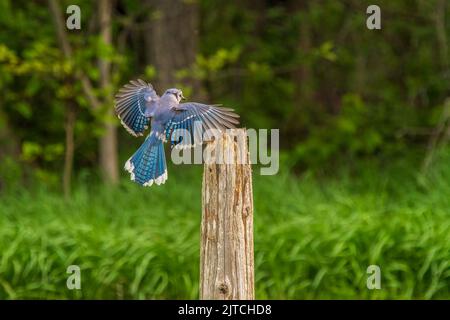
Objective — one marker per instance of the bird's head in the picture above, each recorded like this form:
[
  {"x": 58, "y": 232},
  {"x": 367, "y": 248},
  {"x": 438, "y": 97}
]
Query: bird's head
[{"x": 176, "y": 93}]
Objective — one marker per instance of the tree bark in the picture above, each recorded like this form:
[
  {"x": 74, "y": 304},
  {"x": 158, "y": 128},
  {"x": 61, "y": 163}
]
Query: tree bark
[
  {"x": 172, "y": 41},
  {"x": 69, "y": 149},
  {"x": 227, "y": 262},
  {"x": 10, "y": 146},
  {"x": 108, "y": 141}
]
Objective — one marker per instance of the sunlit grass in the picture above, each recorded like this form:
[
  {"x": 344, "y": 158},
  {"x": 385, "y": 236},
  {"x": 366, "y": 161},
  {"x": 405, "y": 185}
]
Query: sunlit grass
[{"x": 314, "y": 238}]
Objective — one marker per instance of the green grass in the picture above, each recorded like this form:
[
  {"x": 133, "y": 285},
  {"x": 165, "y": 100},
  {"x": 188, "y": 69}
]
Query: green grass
[{"x": 314, "y": 238}]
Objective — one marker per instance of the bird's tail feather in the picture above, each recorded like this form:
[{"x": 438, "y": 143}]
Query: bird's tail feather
[{"x": 148, "y": 164}]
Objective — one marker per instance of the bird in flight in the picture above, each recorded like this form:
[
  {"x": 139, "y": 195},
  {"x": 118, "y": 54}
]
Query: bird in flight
[{"x": 138, "y": 105}]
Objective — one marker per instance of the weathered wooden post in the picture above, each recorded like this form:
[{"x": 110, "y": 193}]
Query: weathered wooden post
[{"x": 226, "y": 259}]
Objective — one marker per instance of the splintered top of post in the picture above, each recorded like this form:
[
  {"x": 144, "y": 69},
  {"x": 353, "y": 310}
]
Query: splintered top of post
[{"x": 229, "y": 147}]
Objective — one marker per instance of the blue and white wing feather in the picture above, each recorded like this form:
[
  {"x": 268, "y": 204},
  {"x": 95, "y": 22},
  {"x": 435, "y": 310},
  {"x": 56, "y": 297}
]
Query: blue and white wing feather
[
  {"x": 187, "y": 116},
  {"x": 133, "y": 104}
]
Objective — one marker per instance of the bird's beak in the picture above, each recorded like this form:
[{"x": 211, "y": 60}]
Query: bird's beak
[{"x": 182, "y": 97}]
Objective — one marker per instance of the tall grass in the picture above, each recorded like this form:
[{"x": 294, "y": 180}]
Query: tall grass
[{"x": 314, "y": 238}]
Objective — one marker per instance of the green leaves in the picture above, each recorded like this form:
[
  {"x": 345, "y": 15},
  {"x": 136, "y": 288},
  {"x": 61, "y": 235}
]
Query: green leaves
[
  {"x": 261, "y": 71},
  {"x": 352, "y": 131},
  {"x": 326, "y": 51},
  {"x": 32, "y": 151},
  {"x": 209, "y": 66}
]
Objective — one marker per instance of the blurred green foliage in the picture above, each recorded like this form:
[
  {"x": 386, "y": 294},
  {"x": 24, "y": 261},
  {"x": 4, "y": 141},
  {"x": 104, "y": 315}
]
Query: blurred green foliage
[
  {"x": 312, "y": 69},
  {"x": 356, "y": 109}
]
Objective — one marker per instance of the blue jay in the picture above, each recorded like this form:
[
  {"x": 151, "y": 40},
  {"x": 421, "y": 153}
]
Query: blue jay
[{"x": 137, "y": 105}]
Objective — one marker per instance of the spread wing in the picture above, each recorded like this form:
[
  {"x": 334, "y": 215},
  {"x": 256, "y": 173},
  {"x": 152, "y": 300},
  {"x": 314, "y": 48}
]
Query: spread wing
[
  {"x": 186, "y": 126},
  {"x": 133, "y": 104}
]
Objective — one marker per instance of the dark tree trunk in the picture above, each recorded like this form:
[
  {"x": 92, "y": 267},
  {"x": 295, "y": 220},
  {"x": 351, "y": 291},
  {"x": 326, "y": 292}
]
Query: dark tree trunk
[
  {"x": 69, "y": 148},
  {"x": 10, "y": 146},
  {"x": 108, "y": 142},
  {"x": 172, "y": 40}
]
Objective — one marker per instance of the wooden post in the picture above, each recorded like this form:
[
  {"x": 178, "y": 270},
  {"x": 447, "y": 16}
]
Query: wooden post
[{"x": 226, "y": 259}]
